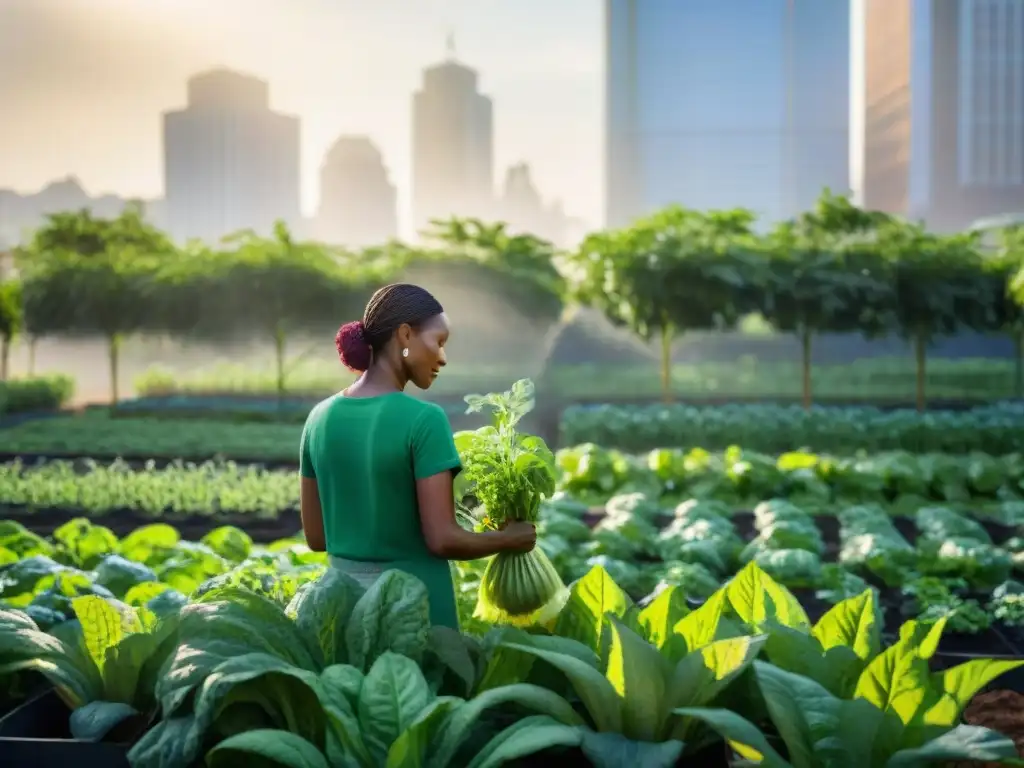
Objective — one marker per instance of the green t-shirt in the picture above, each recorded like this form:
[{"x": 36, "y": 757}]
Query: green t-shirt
[{"x": 366, "y": 455}]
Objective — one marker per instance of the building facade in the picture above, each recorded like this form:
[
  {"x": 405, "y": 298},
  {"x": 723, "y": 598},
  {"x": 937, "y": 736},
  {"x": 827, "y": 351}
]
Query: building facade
[
  {"x": 230, "y": 162},
  {"x": 725, "y": 103},
  {"x": 358, "y": 203},
  {"x": 452, "y": 146},
  {"x": 937, "y": 100}
]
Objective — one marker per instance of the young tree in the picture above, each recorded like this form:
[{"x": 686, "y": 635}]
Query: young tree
[
  {"x": 85, "y": 276},
  {"x": 940, "y": 287},
  {"x": 823, "y": 278},
  {"x": 269, "y": 288},
  {"x": 675, "y": 271},
  {"x": 10, "y": 321},
  {"x": 522, "y": 266},
  {"x": 1002, "y": 267}
]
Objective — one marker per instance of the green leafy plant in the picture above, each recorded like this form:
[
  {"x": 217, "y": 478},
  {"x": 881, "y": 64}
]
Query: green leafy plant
[{"x": 509, "y": 474}]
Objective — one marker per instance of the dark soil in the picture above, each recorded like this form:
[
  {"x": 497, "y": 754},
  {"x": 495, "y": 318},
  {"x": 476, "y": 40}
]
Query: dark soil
[{"x": 1002, "y": 711}]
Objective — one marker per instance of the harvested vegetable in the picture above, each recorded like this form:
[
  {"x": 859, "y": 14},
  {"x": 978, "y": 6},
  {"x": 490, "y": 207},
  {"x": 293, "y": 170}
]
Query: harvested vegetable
[{"x": 509, "y": 474}]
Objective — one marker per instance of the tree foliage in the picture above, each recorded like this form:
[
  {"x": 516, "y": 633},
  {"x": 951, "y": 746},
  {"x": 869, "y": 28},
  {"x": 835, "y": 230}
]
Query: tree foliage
[
  {"x": 10, "y": 321},
  {"x": 835, "y": 268}
]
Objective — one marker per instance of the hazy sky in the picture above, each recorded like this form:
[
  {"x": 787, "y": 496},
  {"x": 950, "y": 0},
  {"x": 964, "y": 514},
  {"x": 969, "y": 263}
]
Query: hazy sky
[{"x": 83, "y": 82}]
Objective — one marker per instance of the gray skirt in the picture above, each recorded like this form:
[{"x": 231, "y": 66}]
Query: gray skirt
[{"x": 364, "y": 573}]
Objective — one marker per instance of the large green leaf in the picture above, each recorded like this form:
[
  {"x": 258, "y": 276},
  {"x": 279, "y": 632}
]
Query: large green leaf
[
  {"x": 854, "y": 623},
  {"x": 95, "y": 720},
  {"x": 754, "y": 597},
  {"x": 897, "y": 680},
  {"x": 659, "y": 617},
  {"x": 266, "y": 748},
  {"x": 323, "y": 608},
  {"x": 393, "y": 694},
  {"x": 527, "y": 737},
  {"x": 837, "y": 669},
  {"x": 817, "y": 727},
  {"x": 393, "y": 615},
  {"x": 743, "y": 736},
  {"x": 955, "y": 687},
  {"x": 591, "y": 598},
  {"x": 257, "y": 690},
  {"x": 698, "y": 628},
  {"x": 965, "y": 742},
  {"x": 699, "y": 678},
  {"x": 457, "y": 727},
  {"x": 638, "y": 673},
  {"x": 595, "y": 691},
  {"x": 410, "y": 749}
]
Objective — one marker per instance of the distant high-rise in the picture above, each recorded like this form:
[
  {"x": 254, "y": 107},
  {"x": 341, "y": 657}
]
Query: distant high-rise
[
  {"x": 358, "y": 203},
  {"x": 523, "y": 209},
  {"x": 22, "y": 213},
  {"x": 937, "y": 107},
  {"x": 452, "y": 145},
  {"x": 725, "y": 103},
  {"x": 230, "y": 162}
]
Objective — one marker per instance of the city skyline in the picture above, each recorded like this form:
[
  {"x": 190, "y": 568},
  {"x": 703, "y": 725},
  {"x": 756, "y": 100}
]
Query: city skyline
[{"x": 84, "y": 82}]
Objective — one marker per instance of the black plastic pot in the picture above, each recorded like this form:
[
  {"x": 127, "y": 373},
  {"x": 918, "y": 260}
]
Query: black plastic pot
[{"x": 37, "y": 734}]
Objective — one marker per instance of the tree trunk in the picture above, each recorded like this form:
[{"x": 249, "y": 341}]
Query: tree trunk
[
  {"x": 1018, "y": 364},
  {"x": 31, "y": 356},
  {"x": 114, "y": 355},
  {"x": 5, "y": 358},
  {"x": 805, "y": 365},
  {"x": 279, "y": 362},
  {"x": 919, "y": 357},
  {"x": 666, "y": 363}
]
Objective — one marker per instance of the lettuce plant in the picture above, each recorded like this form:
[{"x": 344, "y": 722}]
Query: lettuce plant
[
  {"x": 820, "y": 730},
  {"x": 104, "y": 665}
]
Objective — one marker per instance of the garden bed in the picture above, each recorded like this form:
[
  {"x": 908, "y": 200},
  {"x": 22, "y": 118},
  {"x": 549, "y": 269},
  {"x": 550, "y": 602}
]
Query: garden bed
[
  {"x": 1001, "y": 710},
  {"x": 122, "y": 522}
]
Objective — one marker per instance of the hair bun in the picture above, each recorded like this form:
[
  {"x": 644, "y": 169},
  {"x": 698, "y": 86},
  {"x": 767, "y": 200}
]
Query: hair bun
[{"x": 353, "y": 348}]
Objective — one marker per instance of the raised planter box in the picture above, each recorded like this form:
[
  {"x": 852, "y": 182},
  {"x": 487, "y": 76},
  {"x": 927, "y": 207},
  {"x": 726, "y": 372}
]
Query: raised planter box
[{"x": 36, "y": 734}]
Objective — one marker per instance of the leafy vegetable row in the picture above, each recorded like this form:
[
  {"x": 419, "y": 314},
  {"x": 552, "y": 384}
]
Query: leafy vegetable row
[
  {"x": 992, "y": 486},
  {"x": 997, "y": 428},
  {"x": 330, "y": 674}
]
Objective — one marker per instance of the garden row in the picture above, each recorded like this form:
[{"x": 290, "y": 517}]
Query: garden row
[
  {"x": 252, "y": 389},
  {"x": 161, "y": 653},
  {"x": 834, "y": 269},
  {"x": 990, "y": 488},
  {"x": 216, "y": 431}
]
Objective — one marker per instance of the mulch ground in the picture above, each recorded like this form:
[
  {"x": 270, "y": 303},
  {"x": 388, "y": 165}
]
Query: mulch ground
[{"x": 1002, "y": 711}]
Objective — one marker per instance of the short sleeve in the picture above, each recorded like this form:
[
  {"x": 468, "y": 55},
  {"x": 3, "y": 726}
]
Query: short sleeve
[
  {"x": 433, "y": 447},
  {"x": 305, "y": 462}
]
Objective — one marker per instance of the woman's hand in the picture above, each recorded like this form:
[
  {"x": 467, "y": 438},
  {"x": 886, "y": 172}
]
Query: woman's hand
[{"x": 520, "y": 536}]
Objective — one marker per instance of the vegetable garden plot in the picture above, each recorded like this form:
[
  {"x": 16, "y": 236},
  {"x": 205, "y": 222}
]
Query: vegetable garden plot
[{"x": 336, "y": 675}]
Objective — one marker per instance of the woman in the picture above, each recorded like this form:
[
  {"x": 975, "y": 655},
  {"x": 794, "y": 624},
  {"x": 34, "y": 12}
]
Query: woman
[{"x": 377, "y": 465}]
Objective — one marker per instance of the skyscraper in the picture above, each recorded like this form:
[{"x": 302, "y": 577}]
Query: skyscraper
[
  {"x": 230, "y": 162},
  {"x": 937, "y": 104},
  {"x": 452, "y": 145},
  {"x": 725, "y": 103},
  {"x": 358, "y": 202}
]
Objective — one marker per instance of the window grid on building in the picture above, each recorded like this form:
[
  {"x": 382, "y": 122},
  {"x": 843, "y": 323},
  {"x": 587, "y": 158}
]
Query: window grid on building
[{"x": 991, "y": 93}]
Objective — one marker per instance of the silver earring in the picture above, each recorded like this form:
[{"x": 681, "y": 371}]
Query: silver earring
[{"x": 405, "y": 352}]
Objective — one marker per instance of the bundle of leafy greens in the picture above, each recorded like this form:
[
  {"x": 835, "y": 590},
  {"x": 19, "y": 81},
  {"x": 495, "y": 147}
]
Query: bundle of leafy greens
[{"x": 509, "y": 474}]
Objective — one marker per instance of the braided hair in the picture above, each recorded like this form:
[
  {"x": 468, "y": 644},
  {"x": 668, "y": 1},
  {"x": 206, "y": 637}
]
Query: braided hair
[{"x": 388, "y": 309}]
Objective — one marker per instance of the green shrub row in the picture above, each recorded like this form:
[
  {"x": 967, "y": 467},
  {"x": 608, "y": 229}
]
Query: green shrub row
[
  {"x": 36, "y": 395},
  {"x": 994, "y": 429}
]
